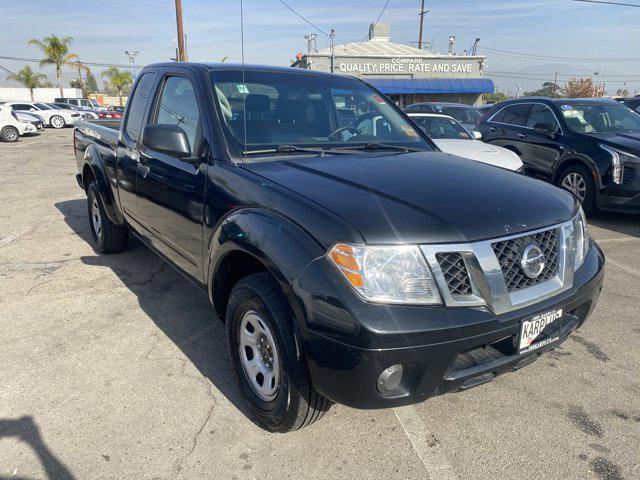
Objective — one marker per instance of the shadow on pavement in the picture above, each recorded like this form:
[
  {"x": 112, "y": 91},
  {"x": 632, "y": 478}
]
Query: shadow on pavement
[
  {"x": 26, "y": 430},
  {"x": 625, "y": 223},
  {"x": 181, "y": 310}
]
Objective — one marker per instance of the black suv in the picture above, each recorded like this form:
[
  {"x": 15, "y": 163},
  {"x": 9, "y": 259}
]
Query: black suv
[
  {"x": 591, "y": 147},
  {"x": 633, "y": 103}
]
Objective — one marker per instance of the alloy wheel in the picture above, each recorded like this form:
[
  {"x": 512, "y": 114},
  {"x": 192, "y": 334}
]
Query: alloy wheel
[
  {"x": 10, "y": 134},
  {"x": 57, "y": 122},
  {"x": 575, "y": 184},
  {"x": 259, "y": 355}
]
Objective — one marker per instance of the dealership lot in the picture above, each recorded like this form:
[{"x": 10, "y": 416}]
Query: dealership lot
[{"x": 114, "y": 367}]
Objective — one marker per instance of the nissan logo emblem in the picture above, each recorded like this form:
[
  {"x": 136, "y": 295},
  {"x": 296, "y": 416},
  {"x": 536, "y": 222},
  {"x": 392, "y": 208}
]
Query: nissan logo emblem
[{"x": 532, "y": 261}]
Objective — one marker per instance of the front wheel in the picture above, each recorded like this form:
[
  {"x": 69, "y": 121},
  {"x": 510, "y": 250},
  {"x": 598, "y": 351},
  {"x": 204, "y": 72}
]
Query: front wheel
[
  {"x": 579, "y": 181},
  {"x": 269, "y": 366},
  {"x": 57, "y": 122},
  {"x": 108, "y": 237},
  {"x": 10, "y": 134}
]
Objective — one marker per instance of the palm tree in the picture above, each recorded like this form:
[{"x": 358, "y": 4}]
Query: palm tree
[
  {"x": 28, "y": 78},
  {"x": 118, "y": 80},
  {"x": 56, "y": 52}
]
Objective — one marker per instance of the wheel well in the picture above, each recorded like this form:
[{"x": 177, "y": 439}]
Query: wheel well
[
  {"x": 233, "y": 267},
  {"x": 570, "y": 163},
  {"x": 87, "y": 177}
]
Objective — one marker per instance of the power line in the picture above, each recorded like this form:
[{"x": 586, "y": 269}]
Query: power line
[
  {"x": 551, "y": 57},
  {"x": 567, "y": 74},
  {"x": 299, "y": 15},
  {"x": 92, "y": 64},
  {"x": 376, "y": 22},
  {"x": 618, "y": 4}
]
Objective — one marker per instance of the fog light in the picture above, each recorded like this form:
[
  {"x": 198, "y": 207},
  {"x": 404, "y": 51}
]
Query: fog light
[{"x": 390, "y": 378}]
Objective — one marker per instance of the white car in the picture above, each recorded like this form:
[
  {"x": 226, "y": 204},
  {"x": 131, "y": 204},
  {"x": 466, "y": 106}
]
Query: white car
[
  {"x": 52, "y": 117},
  {"x": 451, "y": 137},
  {"x": 10, "y": 127}
]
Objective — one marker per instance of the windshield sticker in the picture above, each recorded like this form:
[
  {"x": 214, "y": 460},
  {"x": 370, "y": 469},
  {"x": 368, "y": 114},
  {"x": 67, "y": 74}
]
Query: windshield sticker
[
  {"x": 409, "y": 131},
  {"x": 575, "y": 114},
  {"x": 242, "y": 88},
  {"x": 377, "y": 99},
  {"x": 566, "y": 107}
]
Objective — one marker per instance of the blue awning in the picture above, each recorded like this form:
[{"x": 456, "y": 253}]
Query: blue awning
[{"x": 432, "y": 85}]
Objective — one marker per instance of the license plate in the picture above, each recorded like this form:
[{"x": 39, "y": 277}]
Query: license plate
[{"x": 539, "y": 330}]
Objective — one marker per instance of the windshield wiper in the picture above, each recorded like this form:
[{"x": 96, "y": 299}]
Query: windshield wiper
[
  {"x": 380, "y": 146},
  {"x": 292, "y": 149}
]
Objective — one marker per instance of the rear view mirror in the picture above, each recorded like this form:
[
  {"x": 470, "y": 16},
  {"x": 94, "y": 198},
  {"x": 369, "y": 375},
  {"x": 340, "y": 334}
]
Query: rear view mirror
[
  {"x": 476, "y": 135},
  {"x": 169, "y": 139}
]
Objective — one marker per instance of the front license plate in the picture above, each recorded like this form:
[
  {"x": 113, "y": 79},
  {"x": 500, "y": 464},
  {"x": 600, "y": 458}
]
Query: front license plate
[{"x": 539, "y": 330}]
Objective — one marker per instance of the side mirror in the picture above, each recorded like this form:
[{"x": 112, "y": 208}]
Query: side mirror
[
  {"x": 169, "y": 139},
  {"x": 476, "y": 135}
]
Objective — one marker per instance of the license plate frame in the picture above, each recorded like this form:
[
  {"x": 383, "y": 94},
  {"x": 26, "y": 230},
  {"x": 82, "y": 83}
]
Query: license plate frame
[{"x": 539, "y": 330}]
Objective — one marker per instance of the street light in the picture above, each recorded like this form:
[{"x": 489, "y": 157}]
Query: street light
[
  {"x": 452, "y": 41},
  {"x": 132, "y": 59}
]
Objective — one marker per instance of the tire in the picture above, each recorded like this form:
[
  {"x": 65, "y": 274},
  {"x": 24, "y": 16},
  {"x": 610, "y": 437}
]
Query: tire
[
  {"x": 57, "y": 122},
  {"x": 578, "y": 179},
  {"x": 293, "y": 403},
  {"x": 10, "y": 134},
  {"x": 107, "y": 236}
]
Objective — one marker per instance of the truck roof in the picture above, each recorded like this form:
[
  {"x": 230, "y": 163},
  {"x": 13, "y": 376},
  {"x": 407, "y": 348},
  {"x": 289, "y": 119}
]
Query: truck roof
[{"x": 239, "y": 66}]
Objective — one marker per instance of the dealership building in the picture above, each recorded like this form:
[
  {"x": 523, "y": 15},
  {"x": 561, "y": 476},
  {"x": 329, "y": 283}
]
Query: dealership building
[{"x": 404, "y": 73}]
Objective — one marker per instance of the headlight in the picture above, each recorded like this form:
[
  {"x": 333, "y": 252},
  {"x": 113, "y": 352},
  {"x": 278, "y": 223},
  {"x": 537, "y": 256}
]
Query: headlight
[
  {"x": 618, "y": 159},
  {"x": 387, "y": 274},
  {"x": 581, "y": 238}
]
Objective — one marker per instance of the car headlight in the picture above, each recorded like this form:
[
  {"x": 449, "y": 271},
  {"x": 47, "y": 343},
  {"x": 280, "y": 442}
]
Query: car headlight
[
  {"x": 387, "y": 274},
  {"x": 581, "y": 238},
  {"x": 618, "y": 159}
]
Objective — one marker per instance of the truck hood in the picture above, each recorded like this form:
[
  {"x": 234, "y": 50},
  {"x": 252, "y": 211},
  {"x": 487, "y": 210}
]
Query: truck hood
[
  {"x": 482, "y": 152},
  {"x": 424, "y": 197},
  {"x": 629, "y": 142}
]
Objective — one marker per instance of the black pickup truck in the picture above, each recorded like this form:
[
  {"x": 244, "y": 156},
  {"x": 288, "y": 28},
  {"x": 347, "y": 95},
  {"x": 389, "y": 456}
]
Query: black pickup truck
[{"x": 351, "y": 260}]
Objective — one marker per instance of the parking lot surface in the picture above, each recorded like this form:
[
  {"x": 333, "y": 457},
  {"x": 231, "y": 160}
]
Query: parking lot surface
[{"x": 114, "y": 367}]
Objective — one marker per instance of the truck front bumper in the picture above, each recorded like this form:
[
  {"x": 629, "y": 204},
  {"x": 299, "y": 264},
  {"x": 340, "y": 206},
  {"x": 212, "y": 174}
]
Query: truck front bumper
[{"x": 440, "y": 349}]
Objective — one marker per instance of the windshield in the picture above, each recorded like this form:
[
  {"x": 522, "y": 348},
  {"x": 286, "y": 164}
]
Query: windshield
[
  {"x": 299, "y": 110},
  {"x": 42, "y": 106},
  {"x": 599, "y": 118},
  {"x": 441, "y": 127},
  {"x": 462, "y": 114}
]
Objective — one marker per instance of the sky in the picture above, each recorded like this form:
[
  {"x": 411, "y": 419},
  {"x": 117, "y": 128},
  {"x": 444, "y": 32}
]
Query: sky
[{"x": 547, "y": 35}]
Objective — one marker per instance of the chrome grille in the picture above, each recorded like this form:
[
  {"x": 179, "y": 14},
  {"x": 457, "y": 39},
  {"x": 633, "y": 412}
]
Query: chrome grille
[
  {"x": 509, "y": 252},
  {"x": 455, "y": 273}
]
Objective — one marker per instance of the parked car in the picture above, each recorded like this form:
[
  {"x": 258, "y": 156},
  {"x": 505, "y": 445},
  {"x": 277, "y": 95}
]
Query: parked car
[
  {"x": 633, "y": 103},
  {"x": 485, "y": 108},
  {"x": 465, "y": 114},
  {"x": 55, "y": 118},
  {"x": 83, "y": 103},
  {"x": 110, "y": 114},
  {"x": 10, "y": 127},
  {"x": 363, "y": 269},
  {"x": 32, "y": 118},
  {"x": 451, "y": 137},
  {"x": 84, "y": 112},
  {"x": 591, "y": 147},
  {"x": 116, "y": 108}
]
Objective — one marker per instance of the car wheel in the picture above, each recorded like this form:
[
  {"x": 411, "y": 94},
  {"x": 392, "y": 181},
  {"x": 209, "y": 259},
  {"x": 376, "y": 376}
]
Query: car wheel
[
  {"x": 108, "y": 237},
  {"x": 10, "y": 134},
  {"x": 579, "y": 181},
  {"x": 269, "y": 368},
  {"x": 57, "y": 121}
]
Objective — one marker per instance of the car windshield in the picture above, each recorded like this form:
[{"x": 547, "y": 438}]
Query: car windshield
[
  {"x": 441, "y": 127},
  {"x": 300, "y": 110},
  {"x": 462, "y": 114},
  {"x": 599, "y": 117},
  {"x": 42, "y": 106}
]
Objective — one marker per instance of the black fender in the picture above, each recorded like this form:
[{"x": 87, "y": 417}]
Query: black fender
[
  {"x": 571, "y": 158},
  {"x": 94, "y": 161},
  {"x": 280, "y": 244}
]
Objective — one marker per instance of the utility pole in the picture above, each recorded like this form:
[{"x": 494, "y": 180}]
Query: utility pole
[
  {"x": 332, "y": 37},
  {"x": 422, "y": 13},
  {"x": 555, "y": 84},
  {"x": 182, "y": 55},
  {"x": 132, "y": 60}
]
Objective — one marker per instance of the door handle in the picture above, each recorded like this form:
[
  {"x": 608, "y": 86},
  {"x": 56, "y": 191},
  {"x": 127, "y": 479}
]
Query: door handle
[
  {"x": 521, "y": 135},
  {"x": 493, "y": 129},
  {"x": 143, "y": 170}
]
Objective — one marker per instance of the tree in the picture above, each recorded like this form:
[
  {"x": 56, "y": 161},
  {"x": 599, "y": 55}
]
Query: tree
[
  {"x": 91, "y": 85},
  {"x": 118, "y": 80},
  {"x": 495, "y": 97},
  {"x": 582, "y": 88},
  {"x": 56, "y": 52},
  {"x": 549, "y": 89},
  {"x": 622, "y": 92},
  {"x": 28, "y": 78}
]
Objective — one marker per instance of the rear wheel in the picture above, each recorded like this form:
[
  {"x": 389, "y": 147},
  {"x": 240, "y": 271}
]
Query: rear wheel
[
  {"x": 57, "y": 121},
  {"x": 108, "y": 237},
  {"x": 579, "y": 181},
  {"x": 269, "y": 368},
  {"x": 10, "y": 134}
]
